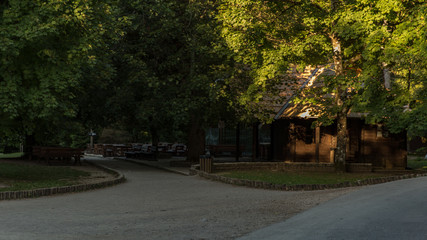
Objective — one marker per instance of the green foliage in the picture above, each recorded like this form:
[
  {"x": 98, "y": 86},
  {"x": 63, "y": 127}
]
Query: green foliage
[
  {"x": 165, "y": 66},
  {"x": 46, "y": 46},
  {"x": 11, "y": 155},
  {"x": 259, "y": 35},
  {"x": 156, "y": 66},
  {"x": 267, "y": 36},
  {"x": 404, "y": 52},
  {"x": 417, "y": 163}
]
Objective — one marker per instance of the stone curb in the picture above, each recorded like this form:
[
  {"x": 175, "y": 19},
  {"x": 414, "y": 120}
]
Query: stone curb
[
  {"x": 301, "y": 187},
  {"x": 12, "y": 195}
]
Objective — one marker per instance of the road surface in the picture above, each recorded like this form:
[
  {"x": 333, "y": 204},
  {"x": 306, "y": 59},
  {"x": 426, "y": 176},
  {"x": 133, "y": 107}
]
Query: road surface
[{"x": 395, "y": 210}]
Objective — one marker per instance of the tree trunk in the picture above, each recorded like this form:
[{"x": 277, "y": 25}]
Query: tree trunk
[
  {"x": 28, "y": 146},
  {"x": 341, "y": 144},
  {"x": 386, "y": 76},
  {"x": 341, "y": 147},
  {"x": 196, "y": 140},
  {"x": 237, "y": 142}
]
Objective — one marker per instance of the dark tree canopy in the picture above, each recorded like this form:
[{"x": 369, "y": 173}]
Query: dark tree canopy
[{"x": 167, "y": 69}]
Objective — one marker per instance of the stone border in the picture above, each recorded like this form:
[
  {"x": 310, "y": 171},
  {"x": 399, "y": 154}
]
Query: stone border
[
  {"x": 301, "y": 187},
  {"x": 12, "y": 195},
  {"x": 279, "y": 166}
]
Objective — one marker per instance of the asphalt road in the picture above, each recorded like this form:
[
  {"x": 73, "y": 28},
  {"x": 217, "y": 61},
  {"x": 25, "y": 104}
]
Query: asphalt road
[
  {"x": 154, "y": 204},
  {"x": 395, "y": 210}
]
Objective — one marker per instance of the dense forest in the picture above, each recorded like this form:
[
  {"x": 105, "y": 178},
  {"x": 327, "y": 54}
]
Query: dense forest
[{"x": 167, "y": 69}]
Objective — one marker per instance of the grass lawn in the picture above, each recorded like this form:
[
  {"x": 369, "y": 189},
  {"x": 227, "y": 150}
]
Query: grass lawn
[
  {"x": 18, "y": 176},
  {"x": 297, "y": 178},
  {"x": 11, "y": 155},
  {"x": 417, "y": 162}
]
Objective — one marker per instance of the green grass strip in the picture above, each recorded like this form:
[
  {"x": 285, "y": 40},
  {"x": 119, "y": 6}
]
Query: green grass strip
[
  {"x": 26, "y": 177},
  {"x": 11, "y": 155},
  {"x": 297, "y": 178}
]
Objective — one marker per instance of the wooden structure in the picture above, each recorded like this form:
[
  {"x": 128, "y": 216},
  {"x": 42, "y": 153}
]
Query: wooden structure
[
  {"x": 111, "y": 150},
  {"x": 61, "y": 154},
  {"x": 206, "y": 164},
  {"x": 293, "y": 139}
]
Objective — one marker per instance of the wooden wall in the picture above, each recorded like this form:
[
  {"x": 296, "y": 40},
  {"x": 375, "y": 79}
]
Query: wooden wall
[
  {"x": 383, "y": 149},
  {"x": 295, "y": 141}
]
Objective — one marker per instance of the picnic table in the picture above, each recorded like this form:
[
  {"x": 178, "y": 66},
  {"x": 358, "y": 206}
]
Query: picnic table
[
  {"x": 111, "y": 150},
  {"x": 63, "y": 154}
]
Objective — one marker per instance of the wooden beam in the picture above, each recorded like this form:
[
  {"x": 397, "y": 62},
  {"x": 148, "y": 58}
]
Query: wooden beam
[{"x": 317, "y": 141}]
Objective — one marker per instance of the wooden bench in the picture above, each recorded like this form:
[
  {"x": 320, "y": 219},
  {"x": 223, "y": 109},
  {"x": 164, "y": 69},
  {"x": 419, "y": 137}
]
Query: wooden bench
[{"x": 57, "y": 153}]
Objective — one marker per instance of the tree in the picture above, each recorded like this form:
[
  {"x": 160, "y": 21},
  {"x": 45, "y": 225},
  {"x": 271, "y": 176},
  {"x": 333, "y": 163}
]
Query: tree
[
  {"x": 402, "y": 52},
  {"x": 45, "y": 47},
  {"x": 257, "y": 36},
  {"x": 352, "y": 36},
  {"x": 165, "y": 66}
]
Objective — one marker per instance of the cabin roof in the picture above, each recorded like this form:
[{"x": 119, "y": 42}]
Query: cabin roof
[
  {"x": 310, "y": 78},
  {"x": 296, "y": 83}
]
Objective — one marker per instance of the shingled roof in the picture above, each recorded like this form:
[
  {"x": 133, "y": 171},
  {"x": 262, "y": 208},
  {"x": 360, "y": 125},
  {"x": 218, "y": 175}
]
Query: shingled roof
[
  {"x": 301, "y": 80},
  {"x": 310, "y": 78}
]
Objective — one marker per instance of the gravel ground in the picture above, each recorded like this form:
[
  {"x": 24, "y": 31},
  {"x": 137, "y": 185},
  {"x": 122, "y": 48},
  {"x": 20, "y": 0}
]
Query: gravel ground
[
  {"x": 154, "y": 204},
  {"x": 237, "y": 211}
]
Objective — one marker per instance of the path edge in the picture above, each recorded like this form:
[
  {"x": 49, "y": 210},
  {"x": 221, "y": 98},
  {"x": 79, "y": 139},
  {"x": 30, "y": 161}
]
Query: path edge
[
  {"x": 300, "y": 187},
  {"x": 41, "y": 192}
]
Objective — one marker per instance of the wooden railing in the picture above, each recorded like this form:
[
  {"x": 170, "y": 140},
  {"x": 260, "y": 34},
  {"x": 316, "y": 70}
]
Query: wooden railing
[{"x": 63, "y": 154}]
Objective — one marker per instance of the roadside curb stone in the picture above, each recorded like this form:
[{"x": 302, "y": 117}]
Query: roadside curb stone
[
  {"x": 301, "y": 187},
  {"x": 119, "y": 178}
]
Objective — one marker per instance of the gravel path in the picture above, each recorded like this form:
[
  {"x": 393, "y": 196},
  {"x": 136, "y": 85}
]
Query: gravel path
[{"x": 154, "y": 204}]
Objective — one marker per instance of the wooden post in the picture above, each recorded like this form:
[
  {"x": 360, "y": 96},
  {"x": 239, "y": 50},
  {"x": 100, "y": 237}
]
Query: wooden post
[
  {"x": 91, "y": 140},
  {"x": 317, "y": 141},
  {"x": 237, "y": 142},
  {"x": 255, "y": 142},
  {"x": 332, "y": 152},
  {"x": 272, "y": 142},
  {"x": 292, "y": 142},
  {"x": 332, "y": 155}
]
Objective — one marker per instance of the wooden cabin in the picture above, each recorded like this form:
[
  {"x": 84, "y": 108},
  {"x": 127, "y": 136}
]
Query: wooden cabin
[{"x": 293, "y": 139}]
